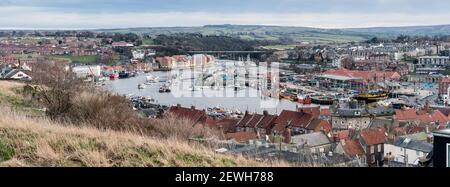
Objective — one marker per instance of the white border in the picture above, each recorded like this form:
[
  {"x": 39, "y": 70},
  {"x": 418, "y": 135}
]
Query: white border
[{"x": 447, "y": 158}]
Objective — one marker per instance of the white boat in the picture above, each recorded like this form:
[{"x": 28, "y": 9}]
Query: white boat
[{"x": 152, "y": 78}]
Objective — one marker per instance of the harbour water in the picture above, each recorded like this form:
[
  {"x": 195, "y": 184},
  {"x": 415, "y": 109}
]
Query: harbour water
[{"x": 245, "y": 98}]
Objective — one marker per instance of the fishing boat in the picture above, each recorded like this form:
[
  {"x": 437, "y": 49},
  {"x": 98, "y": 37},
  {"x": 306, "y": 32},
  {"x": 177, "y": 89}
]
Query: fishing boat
[
  {"x": 372, "y": 96},
  {"x": 113, "y": 76},
  {"x": 288, "y": 96},
  {"x": 322, "y": 100}
]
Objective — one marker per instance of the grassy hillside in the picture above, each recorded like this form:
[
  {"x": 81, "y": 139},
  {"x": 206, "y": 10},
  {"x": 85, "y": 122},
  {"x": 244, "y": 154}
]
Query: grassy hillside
[
  {"x": 41, "y": 142},
  {"x": 257, "y": 32},
  {"x": 295, "y": 34},
  {"x": 30, "y": 140}
]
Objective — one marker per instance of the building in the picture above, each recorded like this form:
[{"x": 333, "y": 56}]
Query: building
[
  {"x": 87, "y": 71},
  {"x": 408, "y": 151},
  {"x": 16, "y": 74},
  {"x": 316, "y": 142},
  {"x": 351, "y": 149},
  {"x": 194, "y": 115},
  {"x": 443, "y": 85},
  {"x": 441, "y": 148},
  {"x": 296, "y": 122},
  {"x": 434, "y": 61},
  {"x": 372, "y": 141},
  {"x": 256, "y": 123},
  {"x": 350, "y": 118}
]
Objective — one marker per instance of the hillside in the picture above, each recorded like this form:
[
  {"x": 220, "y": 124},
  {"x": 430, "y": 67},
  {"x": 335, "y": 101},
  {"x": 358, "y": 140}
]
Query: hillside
[
  {"x": 30, "y": 140},
  {"x": 255, "y": 32},
  {"x": 293, "y": 34}
]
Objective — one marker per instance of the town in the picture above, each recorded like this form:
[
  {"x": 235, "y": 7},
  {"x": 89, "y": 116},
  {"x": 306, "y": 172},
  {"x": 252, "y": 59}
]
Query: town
[{"x": 371, "y": 103}]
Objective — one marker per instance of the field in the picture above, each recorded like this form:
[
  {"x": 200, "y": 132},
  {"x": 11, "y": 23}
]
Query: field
[
  {"x": 90, "y": 59},
  {"x": 256, "y": 32}
]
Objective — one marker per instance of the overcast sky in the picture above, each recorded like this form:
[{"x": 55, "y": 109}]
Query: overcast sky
[{"x": 49, "y": 14}]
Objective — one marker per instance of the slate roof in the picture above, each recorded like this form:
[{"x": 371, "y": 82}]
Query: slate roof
[
  {"x": 311, "y": 139},
  {"x": 414, "y": 144}
]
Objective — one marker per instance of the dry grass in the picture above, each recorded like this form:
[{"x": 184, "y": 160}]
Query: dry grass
[
  {"x": 8, "y": 87},
  {"x": 42, "y": 142}
]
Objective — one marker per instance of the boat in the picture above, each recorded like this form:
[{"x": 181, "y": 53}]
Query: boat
[
  {"x": 141, "y": 86},
  {"x": 113, "y": 76},
  {"x": 124, "y": 75},
  {"x": 164, "y": 89},
  {"x": 372, "y": 96},
  {"x": 322, "y": 100},
  {"x": 288, "y": 96},
  {"x": 151, "y": 78}
]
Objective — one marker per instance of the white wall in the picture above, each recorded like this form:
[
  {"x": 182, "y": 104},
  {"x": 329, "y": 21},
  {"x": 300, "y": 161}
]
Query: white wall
[
  {"x": 84, "y": 71},
  {"x": 399, "y": 152}
]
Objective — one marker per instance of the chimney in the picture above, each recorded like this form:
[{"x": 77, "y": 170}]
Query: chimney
[
  {"x": 192, "y": 107},
  {"x": 287, "y": 135},
  {"x": 265, "y": 113},
  {"x": 246, "y": 112},
  {"x": 178, "y": 106},
  {"x": 343, "y": 142}
]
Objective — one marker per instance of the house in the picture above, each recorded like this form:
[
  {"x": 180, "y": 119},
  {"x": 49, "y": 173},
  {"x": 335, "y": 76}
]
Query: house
[
  {"x": 16, "y": 74},
  {"x": 316, "y": 142},
  {"x": 241, "y": 137},
  {"x": 87, "y": 71},
  {"x": 318, "y": 125},
  {"x": 441, "y": 148},
  {"x": 351, "y": 149},
  {"x": 297, "y": 122},
  {"x": 408, "y": 151},
  {"x": 425, "y": 116},
  {"x": 192, "y": 114},
  {"x": 256, "y": 123},
  {"x": 372, "y": 141},
  {"x": 350, "y": 118}
]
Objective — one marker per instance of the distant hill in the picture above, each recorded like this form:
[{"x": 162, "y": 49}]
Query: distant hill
[
  {"x": 293, "y": 34},
  {"x": 407, "y": 30}
]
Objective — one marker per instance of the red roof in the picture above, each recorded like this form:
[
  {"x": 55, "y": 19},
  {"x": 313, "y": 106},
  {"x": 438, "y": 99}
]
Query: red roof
[
  {"x": 352, "y": 147},
  {"x": 422, "y": 116},
  {"x": 315, "y": 111},
  {"x": 373, "y": 136},
  {"x": 292, "y": 118},
  {"x": 256, "y": 121},
  {"x": 325, "y": 112},
  {"x": 227, "y": 125},
  {"x": 192, "y": 114},
  {"x": 341, "y": 135},
  {"x": 241, "y": 136},
  {"x": 366, "y": 75}
]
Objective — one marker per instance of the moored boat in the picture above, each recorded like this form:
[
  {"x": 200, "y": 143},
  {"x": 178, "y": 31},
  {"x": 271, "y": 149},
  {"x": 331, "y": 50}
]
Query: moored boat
[
  {"x": 322, "y": 100},
  {"x": 372, "y": 96}
]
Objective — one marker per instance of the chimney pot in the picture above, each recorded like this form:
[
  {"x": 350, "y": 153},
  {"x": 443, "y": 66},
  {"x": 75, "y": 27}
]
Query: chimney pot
[
  {"x": 265, "y": 112},
  {"x": 193, "y": 107}
]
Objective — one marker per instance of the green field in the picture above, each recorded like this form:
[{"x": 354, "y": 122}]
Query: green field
[{"x": 89, "y": 59}]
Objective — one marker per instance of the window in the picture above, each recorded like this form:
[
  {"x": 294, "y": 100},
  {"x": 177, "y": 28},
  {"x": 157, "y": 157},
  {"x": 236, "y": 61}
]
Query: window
[
  {"x": 379, "y": 148},
  {"x": 372, "y": 149}
]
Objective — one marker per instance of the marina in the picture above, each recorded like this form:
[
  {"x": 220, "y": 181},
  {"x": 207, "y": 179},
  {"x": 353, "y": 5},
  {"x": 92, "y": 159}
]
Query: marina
[{"x": 219, "y": 88}]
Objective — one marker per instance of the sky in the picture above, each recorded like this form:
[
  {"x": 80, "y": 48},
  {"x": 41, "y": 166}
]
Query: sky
[{"x": 89, "y": 14}]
